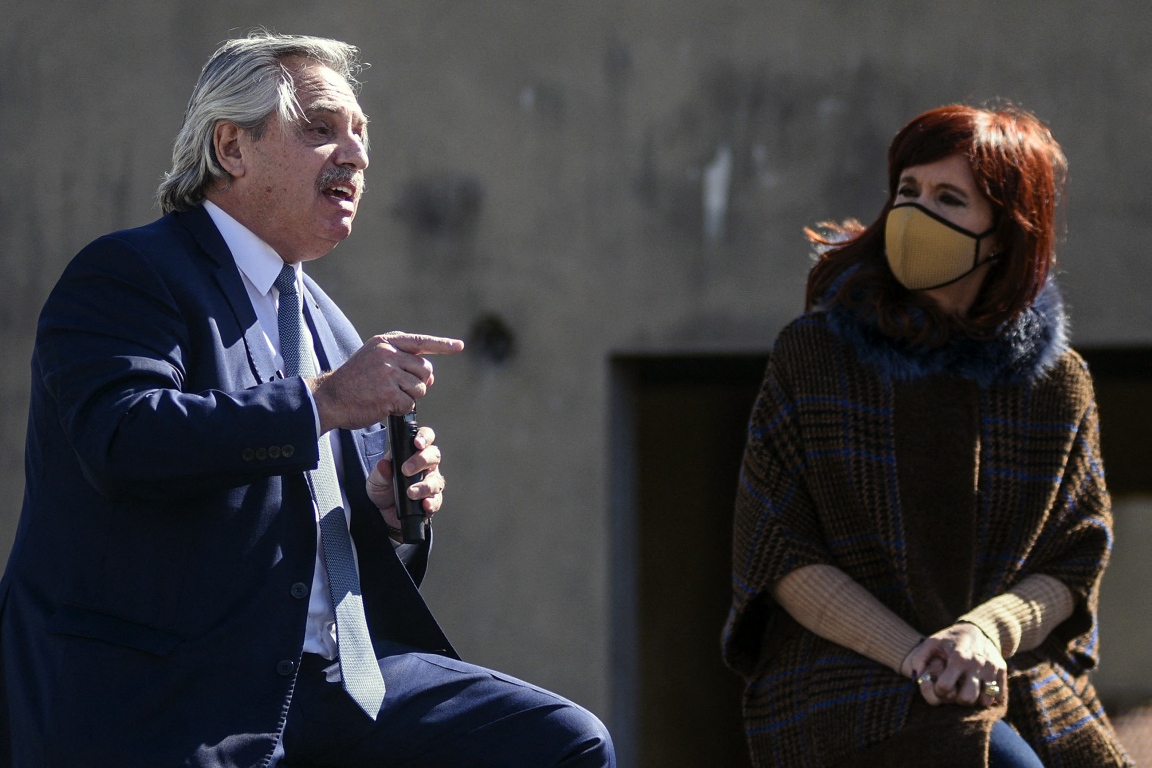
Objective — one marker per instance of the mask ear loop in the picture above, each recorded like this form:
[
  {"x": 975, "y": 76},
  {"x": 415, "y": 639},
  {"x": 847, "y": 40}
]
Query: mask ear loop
[{"x": 976, "y": 254}]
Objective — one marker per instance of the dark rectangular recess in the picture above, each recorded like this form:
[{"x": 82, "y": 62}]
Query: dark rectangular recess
[
  {"x": 1122, "y": 377},
  {"x": 687, "y": 417}
]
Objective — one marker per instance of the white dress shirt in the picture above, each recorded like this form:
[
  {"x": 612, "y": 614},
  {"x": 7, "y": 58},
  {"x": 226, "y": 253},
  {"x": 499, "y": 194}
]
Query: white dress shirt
[{"x": 259, "y": 266}]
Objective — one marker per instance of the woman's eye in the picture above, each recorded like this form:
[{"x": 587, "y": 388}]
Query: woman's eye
[
  {"x": 951, "y": 200},
  {"x": 905, "y": 192}
]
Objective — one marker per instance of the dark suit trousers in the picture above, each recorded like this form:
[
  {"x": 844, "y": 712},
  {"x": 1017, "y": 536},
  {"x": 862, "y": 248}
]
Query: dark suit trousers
[{"x": 439, "y": 712}]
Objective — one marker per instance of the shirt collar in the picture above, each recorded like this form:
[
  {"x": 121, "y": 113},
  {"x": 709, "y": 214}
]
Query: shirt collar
[{"x": 254, "y": 257}]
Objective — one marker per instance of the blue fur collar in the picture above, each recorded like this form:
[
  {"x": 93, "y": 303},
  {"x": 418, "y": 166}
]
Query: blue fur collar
[{"x": 1025, "y": 350}]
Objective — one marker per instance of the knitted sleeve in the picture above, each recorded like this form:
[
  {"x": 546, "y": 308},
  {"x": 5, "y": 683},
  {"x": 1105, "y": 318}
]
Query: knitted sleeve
[
  {"x": 776, "y": 529},
  {"x": 1022, "y": 618},
  {"x": 827, "y": 602}
]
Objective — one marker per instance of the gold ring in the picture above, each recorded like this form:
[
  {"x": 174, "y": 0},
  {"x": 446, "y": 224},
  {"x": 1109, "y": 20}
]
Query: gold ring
[
  {"x": 924, "y": 678},
  {"x": 992, "y": 688}
]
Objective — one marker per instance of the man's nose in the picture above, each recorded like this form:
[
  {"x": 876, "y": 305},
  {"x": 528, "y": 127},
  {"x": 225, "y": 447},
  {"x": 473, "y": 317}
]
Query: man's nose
[{"x": 353, "y": 153}]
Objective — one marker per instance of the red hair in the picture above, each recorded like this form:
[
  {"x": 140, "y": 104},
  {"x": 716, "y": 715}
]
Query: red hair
[{"x": 1017, "y": 165}]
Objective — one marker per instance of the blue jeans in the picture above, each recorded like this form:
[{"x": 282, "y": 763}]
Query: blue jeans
[{"x": 1008, "y": 750}]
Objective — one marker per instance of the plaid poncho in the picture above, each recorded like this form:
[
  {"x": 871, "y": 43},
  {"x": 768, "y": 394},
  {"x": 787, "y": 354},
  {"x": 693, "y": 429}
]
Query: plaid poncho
[{"x": 841, "y": 412}]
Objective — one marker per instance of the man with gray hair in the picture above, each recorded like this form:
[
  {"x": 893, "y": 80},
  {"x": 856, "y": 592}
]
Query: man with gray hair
[{"x": 208, "y": 569}]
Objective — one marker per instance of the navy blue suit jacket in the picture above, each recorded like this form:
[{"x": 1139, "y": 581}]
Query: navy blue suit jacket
[{"x": 154, "y": 603}]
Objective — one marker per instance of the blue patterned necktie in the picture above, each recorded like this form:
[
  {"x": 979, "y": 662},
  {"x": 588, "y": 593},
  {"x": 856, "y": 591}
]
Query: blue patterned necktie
[{"x": 358, "y": 667}]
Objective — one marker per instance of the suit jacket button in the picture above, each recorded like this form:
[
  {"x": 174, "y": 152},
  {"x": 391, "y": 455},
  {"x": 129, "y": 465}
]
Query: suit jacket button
[
  {"x": 285, "y": 668},
  {"x": 287, "y": 451},
  {"x": 248, "y": 454},
  {"x": 299, "y": 590},
  {"x": 273, "y": 451},
  {"x": 261, "y": 454}
]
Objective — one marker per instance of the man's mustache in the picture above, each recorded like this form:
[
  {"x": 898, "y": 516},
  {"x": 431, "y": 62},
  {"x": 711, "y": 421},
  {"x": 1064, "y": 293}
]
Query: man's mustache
[{"x": 333, "y": 176}]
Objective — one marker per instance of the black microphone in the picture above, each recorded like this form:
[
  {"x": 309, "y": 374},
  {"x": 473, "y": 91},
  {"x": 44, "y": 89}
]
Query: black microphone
[{"x": 402, "y": 438}]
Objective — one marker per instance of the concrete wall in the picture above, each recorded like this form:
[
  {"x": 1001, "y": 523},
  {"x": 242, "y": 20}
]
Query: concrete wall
[{"x": 604, "y": 177}]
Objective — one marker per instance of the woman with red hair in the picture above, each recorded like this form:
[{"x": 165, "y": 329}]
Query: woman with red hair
[{"x": 922, "y": 521}]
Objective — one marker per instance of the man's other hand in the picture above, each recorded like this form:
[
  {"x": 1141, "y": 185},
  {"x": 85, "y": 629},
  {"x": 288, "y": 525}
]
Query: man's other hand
[{"x": 430, "y": 489}]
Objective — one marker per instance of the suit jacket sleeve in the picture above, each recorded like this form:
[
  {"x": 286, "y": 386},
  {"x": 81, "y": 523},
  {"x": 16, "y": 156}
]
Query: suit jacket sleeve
[{"x": 117, "y": 342}]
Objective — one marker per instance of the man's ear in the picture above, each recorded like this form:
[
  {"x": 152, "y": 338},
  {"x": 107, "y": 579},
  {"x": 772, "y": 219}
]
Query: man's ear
[{"x": 227, "y": 140}]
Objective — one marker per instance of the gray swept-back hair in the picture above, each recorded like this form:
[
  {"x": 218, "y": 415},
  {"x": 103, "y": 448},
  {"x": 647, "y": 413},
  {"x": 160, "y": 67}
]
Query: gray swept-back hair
[{"x": 244, "y": 82}]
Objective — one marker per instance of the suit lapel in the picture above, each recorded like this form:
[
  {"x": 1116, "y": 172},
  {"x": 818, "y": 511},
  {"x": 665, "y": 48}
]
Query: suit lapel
[
  {"x": 327, "y": 349},
  {"x": 227, "y": 275},
  {"x": 255, "y": 342}
]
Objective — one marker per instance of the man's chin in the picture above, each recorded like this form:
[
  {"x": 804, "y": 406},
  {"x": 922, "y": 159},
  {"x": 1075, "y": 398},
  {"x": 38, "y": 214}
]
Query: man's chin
[
  {"x": 337, "y": 230},
  {"x": 319, "y": 247}
]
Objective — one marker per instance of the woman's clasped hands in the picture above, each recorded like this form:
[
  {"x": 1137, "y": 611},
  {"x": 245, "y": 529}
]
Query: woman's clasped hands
[{"x": 958, "y": 665}]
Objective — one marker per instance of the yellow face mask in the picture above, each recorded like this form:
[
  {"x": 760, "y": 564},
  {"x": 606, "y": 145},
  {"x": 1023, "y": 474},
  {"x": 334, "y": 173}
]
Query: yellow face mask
[{"x": 926, "y": 251}]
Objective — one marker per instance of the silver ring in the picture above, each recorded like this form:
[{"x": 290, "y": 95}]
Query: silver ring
[{"x": 925, "y": 678}]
